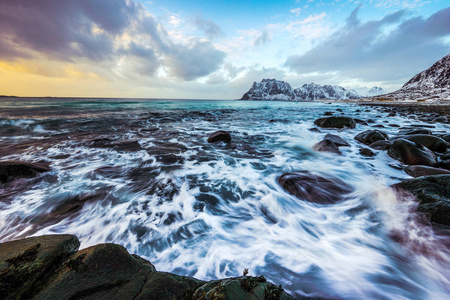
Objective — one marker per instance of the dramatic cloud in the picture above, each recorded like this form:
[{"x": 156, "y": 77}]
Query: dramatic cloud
[
  {"x": 393, "y": 48},
  {"x": 211, "y": 29},
  {"x": 120, "y": 32}
]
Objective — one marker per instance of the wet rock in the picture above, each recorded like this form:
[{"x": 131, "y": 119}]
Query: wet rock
[
  {"x": 366, "y": 152},
  {"x": 371, "y": 136},
  {"x": 219, "y": 136},
  {"x": 433, "y": 143},
  {"x": 411, "y": 153},
  {"x": 328, "y": 113},
  {"x": 327, "y": 146},
  {"x": 445, "y": 164},
  {"x": 335, "y": 122},
  {"x": 313, "y": 188},
  {"x": 433, "y": 195},
  {"x": 445, "y": 156},
  {"x": 378, "y": 126},
  {"x": 417, "y": 171},
  {"x": 381, "y": 145},
  {"x": 391, "y": 114},
  {"x": 25, "y": 264},
  {"x": 10, "y": 170},
  {"x": 446, "y": 137},
  {"x": 314, "y": 129},
  {"x": 337, "y": 140},
  {"x": 410, "y": 131},
  {"x": 442, "y": 119},
  {"x": 394, "y": 125},
  {"x": 361, "y": 122}
]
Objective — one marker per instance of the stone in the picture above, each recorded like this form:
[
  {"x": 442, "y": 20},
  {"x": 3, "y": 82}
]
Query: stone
[
  {"x": 313, "y": 188},
  {"x": 366, "y": 152},
  {"x": 337, "y": 140},
  {"x": 432, "y": 142},
  {"x": 371, "y": 136},
  {"x": 409, "y": 131},
  {"x": 327, "y": 146},
  {"x": 418, "y": 171},
  {"x": 381, "y": 145},
  {"x": 433, "y": 195},
  {"x": 219, "y": 136},
  {"x": 335, "y": 122},
  {"x": 411, "y": 153},
  {"x": 10, "y": 170}
]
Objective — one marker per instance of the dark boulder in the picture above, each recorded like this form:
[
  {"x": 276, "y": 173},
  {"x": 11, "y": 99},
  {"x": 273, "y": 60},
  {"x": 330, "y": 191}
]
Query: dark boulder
[
  {"x": 366, "y": 152},
  {"x": 335, "y": 122},
  {"x": 327, "y": 146},
  {"x": 314, "y": 129},
  {"x": 10, "y": 170},
  {"x": 433, "y": 195},
  {"x": 411, "y": 153},
  {"x": 432, "y": 142},
  {"x": 219, "y": 136},
  {"x": 417, "y": 171},
  {"x": 371, "y": 136},
  {"x": 313, "y": 188},
  {"x": 446, "y": 137},
  {"x": 381, "y": 145},
  {"x": 25, "y": 264},
  {"x": 409, "y": 131},
  {"x": 337, "y": 140}
]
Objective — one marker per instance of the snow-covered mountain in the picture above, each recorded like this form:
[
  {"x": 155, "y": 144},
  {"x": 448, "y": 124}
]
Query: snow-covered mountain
[
  {"x": 271, "y": 89},
  {"x": 433, "y": 83},
  {"x": 375, "y": 91}
]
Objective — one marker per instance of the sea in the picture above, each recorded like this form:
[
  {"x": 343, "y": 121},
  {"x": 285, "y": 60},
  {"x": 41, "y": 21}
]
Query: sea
[{"x": 140, "y": 173}]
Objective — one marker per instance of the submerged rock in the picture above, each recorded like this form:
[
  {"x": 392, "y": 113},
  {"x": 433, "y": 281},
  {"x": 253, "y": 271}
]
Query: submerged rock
[
  {"x": 335, "y": 122},
  {"x": 371, "y": 136},
  {"x": 433, "y": 195},
  {"x": 327, "y": 146},
  {"x": 313, "y": 188},
  {"x": 411, "y": 153},
  {"x": 418, "y": 171},
  {"x": 337, "y": 140},
  {"x": 10, "y": 170},
  {"x": 49, "y": 267},
  {"x": 219, "y": 136}
]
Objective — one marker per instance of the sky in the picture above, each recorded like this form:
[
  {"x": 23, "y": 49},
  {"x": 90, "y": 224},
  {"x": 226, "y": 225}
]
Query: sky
[{"x": 214, "y": 49}]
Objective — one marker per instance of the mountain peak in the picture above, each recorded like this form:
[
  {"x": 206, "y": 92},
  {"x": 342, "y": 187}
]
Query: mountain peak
[{"x": 435, "y": 77}]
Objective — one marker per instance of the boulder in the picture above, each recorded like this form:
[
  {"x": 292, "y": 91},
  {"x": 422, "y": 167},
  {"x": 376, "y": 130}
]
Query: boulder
[
  {"x": 417, "y": 171},
  {"x": 327, "y": 146},
  {"x": 432, "y": 142},
  {"x": 371, "y": 136},
  {"x": 366, "y": 152},
  {"x": 409, "y": 131},
  {"x": 313, "y": 188},
  {"x": 411, "y": 153},
  {"x": 446, "y": 137},
  {"x": 433, "y": 195},
  {"x": 10, "y": 170},
  {"x": 337, "y": 140},
  {"x": 381, "y": 145},
  {"x": 335, "y": 122},
  {"x": 219, "y": 136}
]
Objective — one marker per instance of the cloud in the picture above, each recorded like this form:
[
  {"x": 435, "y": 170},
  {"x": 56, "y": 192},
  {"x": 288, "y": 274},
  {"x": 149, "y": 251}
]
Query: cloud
[
  {"x": 296, "y": 11},
  {"x": 211, "y": 29},
  {"x": 393, "y": 48},
  {"x": 115, "y": 34},
  {"x": 262, "y": 39}
]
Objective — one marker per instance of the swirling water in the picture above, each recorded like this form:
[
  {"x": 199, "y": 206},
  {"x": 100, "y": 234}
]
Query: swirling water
[{"x": 140, "y": 173}]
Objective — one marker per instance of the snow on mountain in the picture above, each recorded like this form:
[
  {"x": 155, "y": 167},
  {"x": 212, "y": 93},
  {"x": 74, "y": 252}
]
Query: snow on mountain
[
  {"x": 375, "y": 91},
  {"x": 271, "y": 89}
]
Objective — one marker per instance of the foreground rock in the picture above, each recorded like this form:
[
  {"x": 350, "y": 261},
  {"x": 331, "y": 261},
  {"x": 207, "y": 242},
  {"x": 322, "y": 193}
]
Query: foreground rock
[
  {"x": 337, "y": 140},
  {"x": 335, "y": 122},
  {"x": 219, "y": 136},
  {"x": 431, "y": 142},
  {"x": 433, "y": 195},
  {"x": 49, "y": 267},
  {"x": 10, "y": 170},
  {"x": 411, "y": 153},
  {"x": 418, "y": 171},
  {"x": 327, "y": 146},
  {"x": 312, "y": 188},
  {"x": 371, "y": 136}
]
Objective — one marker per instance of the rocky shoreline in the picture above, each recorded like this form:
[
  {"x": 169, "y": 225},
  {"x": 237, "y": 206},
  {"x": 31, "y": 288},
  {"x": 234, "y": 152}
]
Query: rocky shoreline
[{"x": 52, "y": 267}]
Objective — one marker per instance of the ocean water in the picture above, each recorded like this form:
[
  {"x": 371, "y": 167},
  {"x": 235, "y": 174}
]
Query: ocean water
[{"x": 140, "y": 173}]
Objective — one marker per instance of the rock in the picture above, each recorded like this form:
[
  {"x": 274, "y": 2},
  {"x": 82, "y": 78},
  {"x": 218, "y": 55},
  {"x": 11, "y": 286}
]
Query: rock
[
  {"x": 371, "y": 136},
  {"x": 328, "y": 113},
  {"x": 445, "y": 164},
  {"x": 391, "y": 114},
  {"x": 378, "y": 126},
  {"x": 337, "y": 140},
  {"x": 366, "y": 152},
  {"x": 433, "y": 194},
  {"x": 393, "y": 125},
  {"x": 446, "y": 155},
  {"x": 446, "y": 137},
  {"x": 25, "y": 264},
  {"x": 219, "y": 136},
  {"x": 327, "y": 146},
  {"x": 381, "y": 145},
  {"x": 411, "y": 153},
  {"x": 312, "y": 188},
  {"x": 442, "y": 119},
  {"x": 361, "y": 122},
  {"x": 314, "y": 129},
  {"x": 417, "y": 171},
  {"x": 335, "y": 122},
  {"x": 10, "y": 170},
  {"x": 432, "y": 142},
  {"x": 409, "y": 131}
]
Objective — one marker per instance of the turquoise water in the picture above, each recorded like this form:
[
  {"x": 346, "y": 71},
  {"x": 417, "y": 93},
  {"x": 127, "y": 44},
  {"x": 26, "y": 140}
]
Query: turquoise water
[{"x": 140, "y": 173}]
